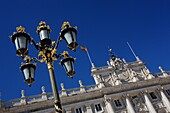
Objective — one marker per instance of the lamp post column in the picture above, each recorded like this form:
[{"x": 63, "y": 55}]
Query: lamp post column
[{"x": 57, "y": 103}]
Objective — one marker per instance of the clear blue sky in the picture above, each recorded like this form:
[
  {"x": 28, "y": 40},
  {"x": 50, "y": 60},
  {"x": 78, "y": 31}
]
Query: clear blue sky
[{"x": 145, "y": 24}]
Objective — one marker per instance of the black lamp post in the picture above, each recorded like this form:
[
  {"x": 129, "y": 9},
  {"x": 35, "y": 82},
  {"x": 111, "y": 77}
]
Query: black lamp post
[{"x": 47, "y": 53}]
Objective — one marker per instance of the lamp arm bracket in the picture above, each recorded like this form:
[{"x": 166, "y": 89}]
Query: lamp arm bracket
[
  {"x": 35, "y": 45},
  {"x": 28, "y": 60},
  {"x": 57, "y": 43},
  {"x": 41, "y": 57}
]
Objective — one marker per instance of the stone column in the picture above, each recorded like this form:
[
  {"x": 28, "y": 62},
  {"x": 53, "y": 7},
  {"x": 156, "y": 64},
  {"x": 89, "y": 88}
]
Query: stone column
[
  {"x": 149, "y": 103},
  {"x": 129, "y": 106},
  {"x": 109, "y": 106},
  {"x": 165, "y": 99},
  {"x": 88, "y": 108}
]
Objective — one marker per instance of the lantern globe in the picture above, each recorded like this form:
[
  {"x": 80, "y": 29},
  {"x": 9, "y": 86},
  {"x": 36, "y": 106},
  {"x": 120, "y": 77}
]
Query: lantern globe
[
  {"x": 70, "y": 35},
  {"x": 44, "y": 32},
  {"x": 28, "y": 71},
  {"x": 21, "y": 41},
  {"x": 68, "y": 64}
]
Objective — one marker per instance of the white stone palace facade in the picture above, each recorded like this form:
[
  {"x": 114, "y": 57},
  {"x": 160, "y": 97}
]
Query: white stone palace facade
[{"x": 120, "y": 87}]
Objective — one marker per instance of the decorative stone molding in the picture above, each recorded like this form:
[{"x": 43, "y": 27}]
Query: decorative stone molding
[
  {"x": 163, "y": 72},
  {"x": 134, "y": 76},
  {"x": 88, "y": 108},
  {"x": 149, "y": 76},
  {"x": 95, "y": 78},
  {"x": 43, "y": 89},
  {"x": 44, "y": 95},
  {"x": 68, "y": 110},
  {"x": 82, "y": 88},
  {"x": 63, "y": 91},
  {"x": 118, "y": 81},
  {"x": 23, "y": 98},
  {"x": 147, "y": 73},
  {"x": 107, "y": 98}
]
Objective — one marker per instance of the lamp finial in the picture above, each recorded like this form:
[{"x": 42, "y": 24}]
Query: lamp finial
[
  {"x": 42, "y": 25},
  {"x": 20, "y": 29},
  {"x": 65, "y": 25}
]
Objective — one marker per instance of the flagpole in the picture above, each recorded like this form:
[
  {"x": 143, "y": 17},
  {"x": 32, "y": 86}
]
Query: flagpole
[
  {"x": 131, "y": 49},
  {"x": 85, "y": 49},
  {"x": 90, "y": 59}
]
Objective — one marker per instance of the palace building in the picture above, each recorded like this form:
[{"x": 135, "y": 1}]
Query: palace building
[{"x": 120, "y": 87}]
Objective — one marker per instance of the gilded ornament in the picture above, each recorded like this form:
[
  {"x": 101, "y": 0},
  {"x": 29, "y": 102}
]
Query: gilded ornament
[{"x": 20, "y": 29}]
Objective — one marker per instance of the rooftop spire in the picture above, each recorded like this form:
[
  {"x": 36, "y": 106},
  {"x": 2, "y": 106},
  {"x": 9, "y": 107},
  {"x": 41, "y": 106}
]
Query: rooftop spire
[
  {"x": 112, "y": 56},
  {"x": 137, "y": 58}
]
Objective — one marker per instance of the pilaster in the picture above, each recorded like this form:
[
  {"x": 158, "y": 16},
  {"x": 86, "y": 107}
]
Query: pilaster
[
  {"x": 148, "y": 103},
  {"x": 164, "y": 99},
  {"x": 95, "y": 79},
  {"x": 88, "y": 108},
  {"x": 109, "y": 106},
  {"x": 129, "y": 106}
]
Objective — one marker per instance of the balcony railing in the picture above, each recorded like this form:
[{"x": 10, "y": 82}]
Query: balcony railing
[{"x": 44, "y": 96}]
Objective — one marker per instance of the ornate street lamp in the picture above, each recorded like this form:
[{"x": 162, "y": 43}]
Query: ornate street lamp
[
  {"x": 67, "y": 63},
  {"x": 44, "y": 32},
  {"x": 69, "y": 34},
  {"x": 28, "y": 70},
  {"x": 21, "y": 41},
  {"x": 46, "y": 53}
]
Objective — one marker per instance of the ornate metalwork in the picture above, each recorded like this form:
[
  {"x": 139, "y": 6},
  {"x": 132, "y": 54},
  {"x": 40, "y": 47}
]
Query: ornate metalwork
[
  {"x": 65, "y": 25},
  {"x": 20, "y": 29},
  {"x": 42, "y": 25},
  {"x": 47, "y": 52}
]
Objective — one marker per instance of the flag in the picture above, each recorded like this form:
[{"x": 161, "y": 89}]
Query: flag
[{"x": 83, "y": 48}]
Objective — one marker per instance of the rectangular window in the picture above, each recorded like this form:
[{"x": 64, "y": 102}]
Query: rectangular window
[
  {"x": 118, "y": 103},
  {"x": 168, "y": 92},
  {"x": 98, "y": 107},
  {"x": 134, "y": 97},
  {"x": 153, "y": 96},
  {"x": 78, "y": 110}
]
